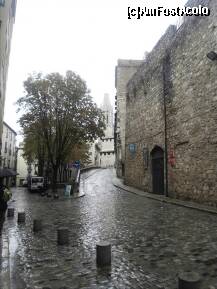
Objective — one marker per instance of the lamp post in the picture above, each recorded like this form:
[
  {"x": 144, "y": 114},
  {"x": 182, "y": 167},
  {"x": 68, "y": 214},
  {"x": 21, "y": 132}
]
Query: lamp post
[{"x": 166, "y": 91}]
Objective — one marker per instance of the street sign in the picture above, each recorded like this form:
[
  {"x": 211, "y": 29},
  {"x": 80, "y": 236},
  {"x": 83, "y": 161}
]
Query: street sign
[{"x": 132, "y": 148}]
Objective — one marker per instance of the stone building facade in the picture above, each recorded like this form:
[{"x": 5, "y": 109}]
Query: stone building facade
[
  {"x": 7, "y": 18},
  {"x": 123, "y": 72},
  {"x": 171, "y": 124}
]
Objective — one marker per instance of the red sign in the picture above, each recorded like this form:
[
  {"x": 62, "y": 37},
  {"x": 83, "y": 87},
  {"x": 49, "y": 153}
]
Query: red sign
[{"x": 171, "y": 159}]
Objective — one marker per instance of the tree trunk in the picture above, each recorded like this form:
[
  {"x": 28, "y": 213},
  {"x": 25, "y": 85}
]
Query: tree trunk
[
  {"x": 60, "y": 172},
  {"x": 54, "y": 179},
  {"x": 41, "y": 167}
]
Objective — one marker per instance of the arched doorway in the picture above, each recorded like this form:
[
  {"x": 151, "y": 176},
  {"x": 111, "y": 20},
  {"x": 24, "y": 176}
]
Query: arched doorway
[{"x": 157, "y": 157}]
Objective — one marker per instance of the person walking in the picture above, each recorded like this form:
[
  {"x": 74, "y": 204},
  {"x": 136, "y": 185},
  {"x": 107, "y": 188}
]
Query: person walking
[
  {"x": 5, "y": 196},
  {"x": 3, "y": 205}
]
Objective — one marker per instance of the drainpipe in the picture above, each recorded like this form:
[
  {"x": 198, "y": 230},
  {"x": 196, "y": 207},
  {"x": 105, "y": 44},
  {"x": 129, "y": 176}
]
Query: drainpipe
[{"x": 166, "y": 67}]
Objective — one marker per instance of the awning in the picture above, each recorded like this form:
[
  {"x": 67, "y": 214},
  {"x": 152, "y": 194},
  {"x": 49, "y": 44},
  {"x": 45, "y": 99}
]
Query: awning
[{"x": 7, "y": 173}]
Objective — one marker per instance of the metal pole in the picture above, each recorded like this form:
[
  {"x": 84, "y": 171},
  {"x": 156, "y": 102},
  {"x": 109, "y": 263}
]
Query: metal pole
[{"x": 165, "y": 92}]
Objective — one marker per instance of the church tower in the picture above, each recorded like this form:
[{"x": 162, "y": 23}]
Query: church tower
[
  {"x": 106, "y": 143},
  {"x": 107, "y": 109}
]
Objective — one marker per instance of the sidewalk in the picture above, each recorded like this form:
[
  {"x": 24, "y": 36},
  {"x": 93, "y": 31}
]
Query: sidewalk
[
  {"x": 192, "y": 205},
  {"x": 5, "y": 260}
]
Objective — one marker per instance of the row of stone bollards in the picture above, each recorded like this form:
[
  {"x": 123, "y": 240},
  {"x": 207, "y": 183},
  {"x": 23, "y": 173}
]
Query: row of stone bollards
[
  {"x": 187, "y": 280},
  {"x": 103, "y": 250}
]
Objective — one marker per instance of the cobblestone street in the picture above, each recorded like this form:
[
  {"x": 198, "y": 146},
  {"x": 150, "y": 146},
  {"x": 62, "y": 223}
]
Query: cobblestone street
[{"x": 151, "y": 241}]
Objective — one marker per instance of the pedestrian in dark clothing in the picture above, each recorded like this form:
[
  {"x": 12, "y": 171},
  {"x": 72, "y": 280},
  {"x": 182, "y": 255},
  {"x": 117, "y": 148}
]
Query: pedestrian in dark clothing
[
  {"x": 3, "y": 204},
  {"x": 3, "y": 201}
]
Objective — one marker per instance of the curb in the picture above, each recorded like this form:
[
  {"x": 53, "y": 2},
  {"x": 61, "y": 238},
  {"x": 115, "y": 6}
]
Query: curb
[
  {"x": 83, "y": 170},
  {"x": 191, "y": 205}
]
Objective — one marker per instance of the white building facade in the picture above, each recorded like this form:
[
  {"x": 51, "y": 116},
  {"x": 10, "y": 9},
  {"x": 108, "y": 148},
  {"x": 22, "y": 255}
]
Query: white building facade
[{"x": 22, "y": 167}]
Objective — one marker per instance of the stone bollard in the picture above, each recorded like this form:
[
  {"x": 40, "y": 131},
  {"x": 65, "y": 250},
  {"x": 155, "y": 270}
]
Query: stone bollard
[
  {"x": 10, "y": 212},
  {"x": 103, "y": 254},
  {"x": 189, "y": 280},
  {"x": 63, "y": 236},
  {"x": 37, "y": 225},
  {"x": 21, "y": 217},
  {"x": 49, "y": 195},
  {"x": 56, "y": 196}
]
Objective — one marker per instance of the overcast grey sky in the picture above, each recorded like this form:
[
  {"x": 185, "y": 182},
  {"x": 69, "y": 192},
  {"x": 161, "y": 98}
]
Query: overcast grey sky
[{"x": 85, "y": 36}]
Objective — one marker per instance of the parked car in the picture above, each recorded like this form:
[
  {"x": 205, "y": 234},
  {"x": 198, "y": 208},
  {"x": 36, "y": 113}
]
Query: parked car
[{"x": 36, "y": 183}]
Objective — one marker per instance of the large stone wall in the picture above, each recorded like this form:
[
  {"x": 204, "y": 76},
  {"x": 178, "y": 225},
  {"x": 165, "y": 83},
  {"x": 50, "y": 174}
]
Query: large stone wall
[
  {"x": 124, "y": 71},
  {"x": 179, "y": 70}
]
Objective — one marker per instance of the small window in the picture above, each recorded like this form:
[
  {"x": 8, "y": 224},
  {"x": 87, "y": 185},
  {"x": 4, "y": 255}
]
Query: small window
[
  {"x": 13, "y": 8},
  {"x": 2, "y": 2},
  {"x": 6, "y": 147}
]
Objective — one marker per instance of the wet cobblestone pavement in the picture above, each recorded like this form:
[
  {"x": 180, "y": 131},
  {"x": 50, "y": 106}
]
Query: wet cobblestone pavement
[{"x": 151, "y": 241}]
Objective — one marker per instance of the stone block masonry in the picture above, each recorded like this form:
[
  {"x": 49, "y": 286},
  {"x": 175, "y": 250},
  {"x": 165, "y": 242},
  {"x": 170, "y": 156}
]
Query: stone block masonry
[
  {"x": 124, "y": 71},
  {"x": 179, "y": 72}
]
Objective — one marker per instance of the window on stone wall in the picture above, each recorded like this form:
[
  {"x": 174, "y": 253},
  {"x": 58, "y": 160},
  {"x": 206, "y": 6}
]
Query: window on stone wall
[
  {"x": 6, "y": 148},
  {"x": 2, "y": 2},
  {"x": 13, "y": 8}
]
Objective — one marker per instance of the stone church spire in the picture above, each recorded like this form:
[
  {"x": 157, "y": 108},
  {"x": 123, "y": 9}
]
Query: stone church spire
[
  {"x": 107, "y": 109},
  {"x": 106, "y": 105}
]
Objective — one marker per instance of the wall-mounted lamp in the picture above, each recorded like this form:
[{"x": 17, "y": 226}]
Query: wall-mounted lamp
[{"x": 212, "y": 55}]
